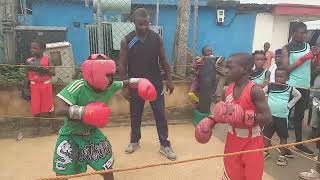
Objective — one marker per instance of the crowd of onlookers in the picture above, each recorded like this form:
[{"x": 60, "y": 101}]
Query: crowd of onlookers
[{"x": 290, "y": 78}]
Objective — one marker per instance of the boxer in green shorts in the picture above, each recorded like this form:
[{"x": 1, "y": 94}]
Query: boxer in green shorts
[{"x": 84, "y": 104}]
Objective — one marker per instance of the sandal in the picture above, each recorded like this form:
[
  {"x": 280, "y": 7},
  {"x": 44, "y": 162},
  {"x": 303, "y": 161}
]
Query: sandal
[
  {"x": 266, "y": 155},
  {"x": 282, "y": 161}
]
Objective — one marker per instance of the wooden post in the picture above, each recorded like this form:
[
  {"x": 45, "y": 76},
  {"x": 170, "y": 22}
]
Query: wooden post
[
  {"x": 8, "y": 20},
  {"x": 181, "y": 41}
]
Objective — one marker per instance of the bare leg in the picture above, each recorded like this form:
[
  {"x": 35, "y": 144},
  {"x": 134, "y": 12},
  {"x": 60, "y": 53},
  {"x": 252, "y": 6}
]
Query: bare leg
[
  {"x": 108, "y": 176},
  {"x": 36, "y": 125},
  {"x": 283, "y": 150}
]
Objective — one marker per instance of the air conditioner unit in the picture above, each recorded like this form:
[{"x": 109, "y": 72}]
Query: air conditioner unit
[{"x": 220, "y": 16}]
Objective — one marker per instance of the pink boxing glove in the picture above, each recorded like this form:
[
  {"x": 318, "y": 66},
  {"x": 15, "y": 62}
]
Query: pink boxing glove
[
  {"x": 146, "y": 90},
  {"x": 304, "y": 58},
  {"x": 94, "y": 114},
  {"x": 203, "y": 131},
  {"x": 230, "y": 113}
]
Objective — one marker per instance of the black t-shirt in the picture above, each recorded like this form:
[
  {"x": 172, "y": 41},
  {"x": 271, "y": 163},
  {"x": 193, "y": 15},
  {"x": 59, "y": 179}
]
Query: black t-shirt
[{"x": 143, "y": 57}]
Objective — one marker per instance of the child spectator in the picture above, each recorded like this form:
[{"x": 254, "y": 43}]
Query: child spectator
[
  {"x": 279, "y": 94},
  {"x": 206, "y": 51},
  {"x": 269, "y": 55},
  {"x": 39, "y": 75},
  {"x": 259, "y": 75}
]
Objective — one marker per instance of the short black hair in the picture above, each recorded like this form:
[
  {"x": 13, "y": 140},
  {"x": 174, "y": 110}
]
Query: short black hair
[
  {"x": 204, "y": 48},
  {"x": 245, "y": 60},
  {"x": 283, "y": 69},
  {"x": 140, "y": 12},
  {"x": 297, "y": 25},
  {"x": 40, "y": 43},
  {"x": 259, "y": 52}
]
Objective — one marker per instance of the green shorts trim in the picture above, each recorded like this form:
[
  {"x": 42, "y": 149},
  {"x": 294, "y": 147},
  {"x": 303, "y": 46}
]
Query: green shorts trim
[{"x": 73, "y": 153}]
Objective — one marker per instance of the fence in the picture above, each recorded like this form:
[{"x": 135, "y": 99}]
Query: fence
[{"x": 90, "y": 26}]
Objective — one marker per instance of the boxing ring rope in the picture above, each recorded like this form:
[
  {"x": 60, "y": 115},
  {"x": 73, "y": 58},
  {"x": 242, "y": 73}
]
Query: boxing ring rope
[
  {"x": 115, "y": 116},
  {"x": 300, "y": 154},
  {"x": 288, "y": 145},
  {"x": 178, "y": 162}
]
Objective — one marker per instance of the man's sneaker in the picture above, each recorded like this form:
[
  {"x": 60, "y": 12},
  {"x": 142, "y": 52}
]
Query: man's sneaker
[
  {"x": 304, "y": 149},
  {"x": 266, "y": 155},
  {"x": 132, "y": 147},
  {"x": 289, "y": 154},
  {"x": 168, "y": 152},
  {"x": 310, "y": 175}
]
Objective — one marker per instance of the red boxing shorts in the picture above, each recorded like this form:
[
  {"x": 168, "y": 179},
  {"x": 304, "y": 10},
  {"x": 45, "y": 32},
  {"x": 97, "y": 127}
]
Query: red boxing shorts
[
  {"x": 41, "y": 97},
  {"x": 247, "y": 166}
]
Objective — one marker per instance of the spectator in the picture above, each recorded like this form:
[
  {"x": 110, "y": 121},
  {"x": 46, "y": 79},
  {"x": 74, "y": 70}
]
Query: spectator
[
  {"x": 259, "y": 75},
  {"x": 300, "y": 76},
  {"x": 39, "y": 75},
  {"x": 269, "y": 55},
  {"x": 274, "y": 66},
  {"x": 279, "y": 94},
  {"x": 315, "y": 124},
  {"x": 199, "y": 61},
  {"x": 140, "y": 54}
]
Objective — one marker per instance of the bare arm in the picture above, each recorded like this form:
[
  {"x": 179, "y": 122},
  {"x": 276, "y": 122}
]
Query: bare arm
[
  {"x": 61, "y": 108},
  {"x": 285, "y": 60},
  {"x": 51, "y": 68},
  {"x": 165, "y": 65},
  {"x": 263, "y": 114},
  {"x": 267, "y": 79},
  {"x": 123, "y": 58}
]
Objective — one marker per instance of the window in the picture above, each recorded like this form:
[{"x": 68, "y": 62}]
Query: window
[{"x": 55, "y": 58}]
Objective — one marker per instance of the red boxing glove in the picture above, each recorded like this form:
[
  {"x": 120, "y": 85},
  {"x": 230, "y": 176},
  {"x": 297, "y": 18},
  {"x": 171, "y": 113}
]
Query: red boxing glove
[
  {"x": 146, "y": 90},
  {"x": 304, "y": 58},
  {"x": 203, "y": 131},
  {"x": 230, "y": 113},
  {"x": 96, "y": 114}
]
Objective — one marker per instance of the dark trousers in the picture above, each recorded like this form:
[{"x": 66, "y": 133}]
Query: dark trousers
[
  {"x": 299, "y": 111},
  {"x": 158, "y": 108}
]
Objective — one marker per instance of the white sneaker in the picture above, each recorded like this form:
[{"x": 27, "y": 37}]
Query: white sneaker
[
  {"x": 132, "y": 147},
  {"x": 310, "y": 175},
  {"x": 168, "y": 152}
]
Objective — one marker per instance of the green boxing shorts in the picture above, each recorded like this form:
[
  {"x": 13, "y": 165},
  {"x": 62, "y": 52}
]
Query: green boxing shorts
[{"x": 74, "y": 152}]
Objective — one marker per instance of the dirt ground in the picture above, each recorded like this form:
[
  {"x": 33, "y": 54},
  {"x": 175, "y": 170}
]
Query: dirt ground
[{"x": 32, "y": 158}]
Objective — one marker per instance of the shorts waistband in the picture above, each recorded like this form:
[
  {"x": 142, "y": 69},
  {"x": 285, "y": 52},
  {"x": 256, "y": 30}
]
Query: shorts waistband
[
  {"x": 45, "y": 82},
  {"x": 245, "y": 133}
]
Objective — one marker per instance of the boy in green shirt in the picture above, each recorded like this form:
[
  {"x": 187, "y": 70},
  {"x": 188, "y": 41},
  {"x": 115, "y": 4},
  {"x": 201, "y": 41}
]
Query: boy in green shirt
[{"x": 84, "y": 104}]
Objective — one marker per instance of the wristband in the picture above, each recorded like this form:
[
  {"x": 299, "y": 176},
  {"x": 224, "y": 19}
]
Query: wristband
[
  {"x": 133, "y": 82},
  {"x": 75, "y": 112}
]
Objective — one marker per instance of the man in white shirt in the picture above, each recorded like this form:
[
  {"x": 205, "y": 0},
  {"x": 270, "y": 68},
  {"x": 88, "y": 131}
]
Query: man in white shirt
[{"x": 274, "y": 66}]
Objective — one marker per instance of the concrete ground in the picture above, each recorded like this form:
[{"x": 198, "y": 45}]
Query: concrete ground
[{"x": 31, "y": 158}]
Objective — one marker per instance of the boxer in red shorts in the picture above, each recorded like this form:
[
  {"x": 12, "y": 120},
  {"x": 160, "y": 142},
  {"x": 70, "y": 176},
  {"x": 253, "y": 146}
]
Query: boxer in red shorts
[
  {"x": 39, "y": 75},
  {"x": 245, "y": 109}
]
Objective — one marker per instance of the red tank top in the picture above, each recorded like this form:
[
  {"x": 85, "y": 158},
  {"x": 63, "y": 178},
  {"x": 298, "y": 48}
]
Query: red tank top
[
  {"x": 245, "y": 100},
  {"x": 34, "y": 76}
]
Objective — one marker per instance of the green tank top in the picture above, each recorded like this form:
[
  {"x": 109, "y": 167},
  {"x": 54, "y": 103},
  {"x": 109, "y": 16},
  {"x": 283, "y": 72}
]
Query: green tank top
[
  {"x": 278, "y": 99},
  {"x": 259, "y": 76},
  {"x": 301, "y": 76}
]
